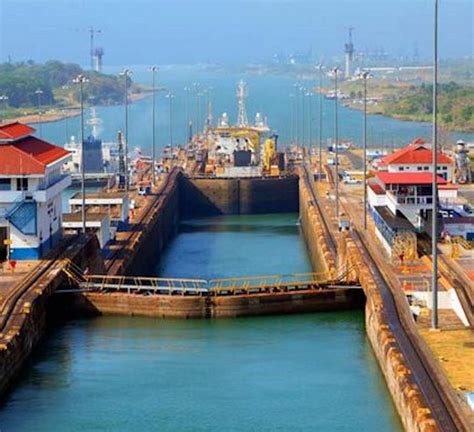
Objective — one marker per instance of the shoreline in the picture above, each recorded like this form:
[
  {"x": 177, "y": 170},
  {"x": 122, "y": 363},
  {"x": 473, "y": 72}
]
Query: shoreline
[
  {"x": 55, "y": 115},
  {"x": 356, "y": 104},
  {"x": 401, "y": 117}
]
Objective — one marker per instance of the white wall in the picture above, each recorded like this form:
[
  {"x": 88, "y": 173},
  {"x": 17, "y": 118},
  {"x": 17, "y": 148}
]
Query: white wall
[{"x": 442, "y": 169}]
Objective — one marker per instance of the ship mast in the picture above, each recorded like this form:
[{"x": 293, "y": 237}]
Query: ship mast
[{"x": 242, "y": 94}]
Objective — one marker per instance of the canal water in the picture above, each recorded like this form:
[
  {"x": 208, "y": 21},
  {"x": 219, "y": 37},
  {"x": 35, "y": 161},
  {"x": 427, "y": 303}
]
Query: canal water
[
  {"x": 313, "y": 372},
  {"x": 268, "y": 94}
]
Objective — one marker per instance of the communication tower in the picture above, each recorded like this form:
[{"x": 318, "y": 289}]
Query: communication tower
[
  {"x": 97, "y": 58},
  {"x": 349, "y": 50}
]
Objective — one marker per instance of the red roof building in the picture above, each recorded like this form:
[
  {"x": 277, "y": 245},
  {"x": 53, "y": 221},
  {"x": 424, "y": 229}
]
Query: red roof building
[
  {"x": 22, "y": 154},
  {"x": 414, "y": 155},
  {"x": 13, "y": 131},
  {"x": 408, "y": 178}
]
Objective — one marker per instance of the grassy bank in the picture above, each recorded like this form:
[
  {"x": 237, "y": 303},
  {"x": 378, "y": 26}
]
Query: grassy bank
[{"x": 406, "y": 101}]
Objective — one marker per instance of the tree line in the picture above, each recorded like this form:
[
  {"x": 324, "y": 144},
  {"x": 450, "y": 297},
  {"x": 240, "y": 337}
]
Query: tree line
[{"x": 21, "y": 81}]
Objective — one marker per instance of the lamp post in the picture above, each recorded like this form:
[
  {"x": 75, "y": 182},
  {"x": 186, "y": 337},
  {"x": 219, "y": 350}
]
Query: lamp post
[
  {"x": 309, "y": 95},
  {"x": 196, "y": 87},
  {"x": 186, "y": 109},
  {"x": 153, "y": 70},
  {"x": 297, "y": 135},
  {"x": 39, "y": 93},
  {"x": 320, "y": 68},
  {"x": 81, "y": 79},
  {"x": 365, "y": 76},
  {"x": 336, "y": 139},
  {"x": 292, "y": 125},
  {"x": 434, "y": 224},
  {"x": 302, "y": 93},
  {"x": 126, "y": 73},
  {"x": 170, "y": 96},
  {"x": 4, "y": 102}
]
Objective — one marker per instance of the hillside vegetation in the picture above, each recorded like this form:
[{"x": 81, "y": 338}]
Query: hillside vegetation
[
  {"x": 20, "y": 81},
  {"x": 455, "y": 105}
]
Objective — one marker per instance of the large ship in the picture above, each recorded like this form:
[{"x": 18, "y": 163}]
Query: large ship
[
  {"x": 241, "y": 149},
  {"x": 99, "y": 157}
]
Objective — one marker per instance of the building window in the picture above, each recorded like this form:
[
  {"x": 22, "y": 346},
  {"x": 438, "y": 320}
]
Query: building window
[
  {"x": 400, "y": 168},
  {"x": 21, "y": 184},
  {"x": 5, "y": 184},
  {"x": 419, "y": 168},
  {"x": 426, "y": 168}
]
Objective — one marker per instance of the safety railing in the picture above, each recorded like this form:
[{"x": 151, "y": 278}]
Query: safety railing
[{"x": 222, "y": 286}]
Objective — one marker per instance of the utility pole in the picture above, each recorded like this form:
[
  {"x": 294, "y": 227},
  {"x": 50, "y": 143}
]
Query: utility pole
[
  {"x": 292, "y": 125},
  {"x": 434, "y": 224},
  {"x": 320, "y": 67},
  {"x": 126, "y": 75},
  {"x": 39, "y": 93},
  {"x": 153, "y": 70},
  {"x": 297, "y": 135},
  {"x": 310, "y": 121},
  {"x": 365, "y": 76},
  {"x": 170, "y": 96},
  {"x": 186, "y": 110},
  {"x": 336, "y": 139},
  {"x": 81, "y": 79},
  {"x": 302, "y": 92}
]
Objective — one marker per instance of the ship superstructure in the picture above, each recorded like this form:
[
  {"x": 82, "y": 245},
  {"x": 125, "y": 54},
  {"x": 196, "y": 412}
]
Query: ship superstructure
[{"x": 244, "y": 149}]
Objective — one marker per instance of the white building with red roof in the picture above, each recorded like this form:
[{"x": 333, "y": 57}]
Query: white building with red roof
[
  {"x": 417, "y": 157},
  {"x": 401, "y": 201},
  {"x": 31, "y": 184}
]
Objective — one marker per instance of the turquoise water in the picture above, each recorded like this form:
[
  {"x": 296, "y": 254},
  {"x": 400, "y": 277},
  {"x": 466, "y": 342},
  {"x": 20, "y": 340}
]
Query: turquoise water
[
  {"x": 232, "y": 246},
  {"x": 268, "y": 94},
  {"x": 291, "y": 373},
  {"x": 313, "y": 372}
]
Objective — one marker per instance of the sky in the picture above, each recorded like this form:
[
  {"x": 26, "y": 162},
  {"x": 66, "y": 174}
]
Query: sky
[{"x": 227, "y": 31}]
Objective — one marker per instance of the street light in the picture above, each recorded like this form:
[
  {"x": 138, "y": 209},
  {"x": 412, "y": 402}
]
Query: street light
[
  {"x": 365, "y": 76},
  {"x": 4, "y": 101},
  {"x": 81, "y": 79},
  {"x": 38, "y": 93},
  {"x": 302, "y": 92},
  {"x": 197, "y": 89},
  {"x": 297, "y": 135},
  {"x": 170, "y": 96},
  {"x": 153, "y": 70},
  {"x": 434, "y": 223},
  {"x": 336, "y": 139},
  {"x": 320, "y": 68},
  {"x": 186, "y": 109},
  {"x": 292, "y": 125},
  {"x": 309, "y": 95},
  {"x": 126, "y": 73}
]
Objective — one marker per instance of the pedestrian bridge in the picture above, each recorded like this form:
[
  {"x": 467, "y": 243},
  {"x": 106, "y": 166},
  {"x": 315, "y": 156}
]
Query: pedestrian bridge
[{"x": 84, "y": 282}]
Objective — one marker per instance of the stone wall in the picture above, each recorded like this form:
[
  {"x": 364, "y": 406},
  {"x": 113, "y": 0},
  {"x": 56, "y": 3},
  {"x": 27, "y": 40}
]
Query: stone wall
[
  {"x": 161, "y": 227},
  {"x": 319, "y": 252},
  {"x": 406, "y": 394}
]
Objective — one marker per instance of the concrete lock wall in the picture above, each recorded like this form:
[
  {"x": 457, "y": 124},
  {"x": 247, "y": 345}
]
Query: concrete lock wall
[
  {"x": 207, "y": 197},
  {"x": 166, "y": 306},
  {"x": 162, "y": 227}
]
